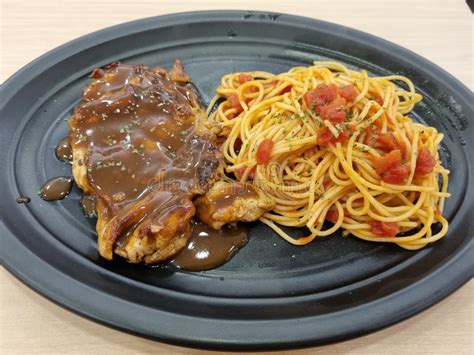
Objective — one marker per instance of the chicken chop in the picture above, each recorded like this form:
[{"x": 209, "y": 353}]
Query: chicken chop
[{"x": 141, "y": 149}]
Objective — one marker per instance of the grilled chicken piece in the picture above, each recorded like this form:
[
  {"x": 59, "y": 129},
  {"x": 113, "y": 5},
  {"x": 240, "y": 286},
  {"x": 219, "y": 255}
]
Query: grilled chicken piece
[
  {"x": 141, "y": 148},
  {"x": 228, "y": 202}
]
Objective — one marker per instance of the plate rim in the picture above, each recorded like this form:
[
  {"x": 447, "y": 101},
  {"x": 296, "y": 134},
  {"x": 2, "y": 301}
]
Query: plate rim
[{"x": 459, "y": 265}]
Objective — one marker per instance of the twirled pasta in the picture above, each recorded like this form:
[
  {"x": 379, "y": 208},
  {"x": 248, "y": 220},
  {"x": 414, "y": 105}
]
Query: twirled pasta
[{"x": 325, "y": 155}]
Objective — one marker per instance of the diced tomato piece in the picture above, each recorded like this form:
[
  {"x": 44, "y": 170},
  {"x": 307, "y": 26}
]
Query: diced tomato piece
[
  {"x": 387, "y": 161},
  {"x": 348, "y": 92},
  {"x": 253, "y": 89},
  {"x": 332, "y": 215},
  {"x": 385, "y": 229},
  {"x": 396, "y": 174},
  {"x": 327, "y": 183},
  {"x": 390, "y": 228},
  {"x": 425, "y": 162},
  {"x": 324, "y": 136},
  {"x": 310, "y": 97},
  {"x": 243, "y": 78},
  {"x": 264, "y": 151},
  {"x": 342, "y": 137},
  {"x": 390, "y": 167},
  {"x": 240, "y": 172},
  {"x": 286, "y": 89},
  {"x": 235, "y": 103},
  {"x": 340, "y": 101},
  {"x": 231, "y": 116},
  {"x": 378, "y": 99},
  {"x": 322, "y": 95},
  {"x": 370, "y": 136},
  {"x": 386, "y": 142},
  {"x": 335, "y": 111},
  {"x": 377, "y": 228},
  {"x": 326, "y": 93}
]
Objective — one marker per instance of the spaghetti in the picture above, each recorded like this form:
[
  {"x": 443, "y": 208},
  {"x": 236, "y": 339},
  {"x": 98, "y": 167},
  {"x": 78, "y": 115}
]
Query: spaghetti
[{"x": 329, "y": 143}]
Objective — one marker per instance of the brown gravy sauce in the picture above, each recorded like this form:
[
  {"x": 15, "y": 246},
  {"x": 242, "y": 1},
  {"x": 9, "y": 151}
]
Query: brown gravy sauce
[
  {"x": 59, "y": 187},
  {"x": 63, "y": 150},
  {"x": 209, "y": 248},
  {"x": 88, "y": 206},
  {"x": 138, "y": 129},
  {"x": 56, "y": 188},
  {"x": 138, "y": 135}
]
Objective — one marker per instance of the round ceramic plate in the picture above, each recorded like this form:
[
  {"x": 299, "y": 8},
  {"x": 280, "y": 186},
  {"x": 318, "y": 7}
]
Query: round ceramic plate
[{"x": 271, "y": 294}]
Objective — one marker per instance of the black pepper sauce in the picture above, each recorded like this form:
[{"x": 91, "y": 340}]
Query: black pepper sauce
[
  {"x": 56, "y": 188},
  {"x": 63, "y": 150},
  {"x": 138, "y": 128},
  {"x": 88, "y": 205},
  {"x": 209, "y": 248}
]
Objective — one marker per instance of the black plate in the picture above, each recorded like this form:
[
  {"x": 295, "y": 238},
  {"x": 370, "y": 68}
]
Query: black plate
[{"x": 272, "y": 294}]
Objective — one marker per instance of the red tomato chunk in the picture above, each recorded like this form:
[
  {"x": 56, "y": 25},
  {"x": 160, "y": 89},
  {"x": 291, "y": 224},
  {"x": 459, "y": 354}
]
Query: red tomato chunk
[
  {"x": 332, "y": 215},
  {"x": 386, "y": 142},
  {"x": 390, "y": 167},
  {"x": 322, "y": 95},
  {"x": 397, "y": 174},
  {"x": 348, "y": 92},
  {"x": 378, "y": 99},
  {"x": 335, "y": 111},
  {"x": 387, "y": 161},
  {"x": 243, "y": 78},
  {"x": 286, "y": 89},
  {"x": 325, "y": 136},
  {"x": 264, "y": 151},
  {"x": 385, "y": 229},
  {"x": 327, "y": 183},
  {"x": 240, "y": 172},
  {"x": 235, "y": 103},
  {"x": 424, "y": 162},
  {"x": 342, "y": 137}
]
